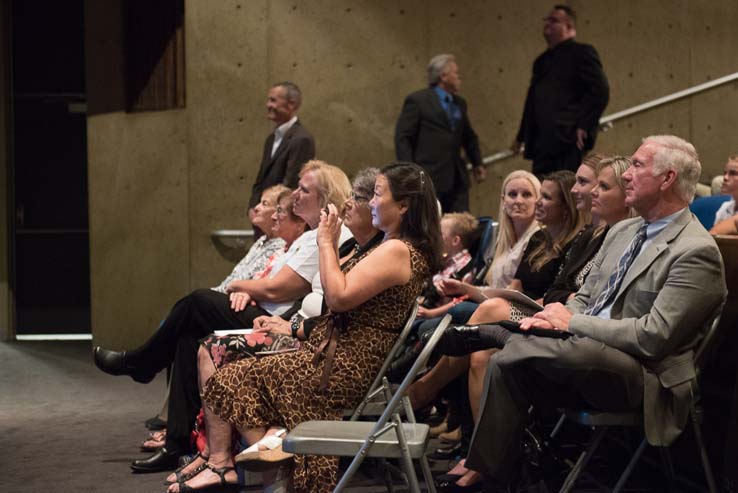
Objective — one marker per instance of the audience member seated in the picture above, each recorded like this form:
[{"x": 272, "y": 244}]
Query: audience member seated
[
  {"x": 599, "y": 192},
  {"x": 368, "y": 302},
  {"x": 275, "y": 334},
  {"x": 458, "y": 230},
  {"x": 520, "y": 192},
  {"x": 198, "y": 314},
  {"x": 184, "y": 400},
  {"x": 556, "y": 210},
  {"x": 628, "y": 334},
  {"x": 726, "y": 227},
  {"x": 729, "y": 187}
]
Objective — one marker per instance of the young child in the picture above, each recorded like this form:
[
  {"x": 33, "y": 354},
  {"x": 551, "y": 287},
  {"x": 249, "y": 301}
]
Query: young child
[{"x": 458, "y": 231}]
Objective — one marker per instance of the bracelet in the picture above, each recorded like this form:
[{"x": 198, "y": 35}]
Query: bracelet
[{"x": 295, "y": 324}]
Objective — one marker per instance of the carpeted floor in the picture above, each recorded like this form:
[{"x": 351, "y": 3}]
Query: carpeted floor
[{"x": 67, "y": 427}]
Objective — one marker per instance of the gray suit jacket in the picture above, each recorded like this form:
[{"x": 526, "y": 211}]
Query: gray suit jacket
[{"x": 668, "y": 296}]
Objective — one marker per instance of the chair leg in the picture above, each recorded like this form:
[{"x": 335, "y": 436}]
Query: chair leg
[
  {"x": 631, "y": 465},
  {"x": 701, "y": 448},
  {"x": 427, "y": 474},
  {"x": 668, "y": 466},
  {"x": 584, "y": 458}
]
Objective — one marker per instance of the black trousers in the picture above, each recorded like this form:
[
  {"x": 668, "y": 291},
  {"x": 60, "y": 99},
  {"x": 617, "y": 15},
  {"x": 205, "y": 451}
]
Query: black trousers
[
  {"x": 570, "y": 158},
  {"x": 176, "y": 342},
  {"x": 546, "y": 373}
]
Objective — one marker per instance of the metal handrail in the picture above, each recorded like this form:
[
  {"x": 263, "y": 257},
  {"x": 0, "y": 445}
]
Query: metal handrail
[{"x": 606, "y": 122}]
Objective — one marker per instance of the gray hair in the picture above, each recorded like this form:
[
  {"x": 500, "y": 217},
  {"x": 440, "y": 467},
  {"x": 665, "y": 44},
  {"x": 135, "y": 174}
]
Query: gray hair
[
  {"x": 364, "y": 180},
  {"x": 675, "y": 153},
  {"x": 293, "y": 93},
  {"x": 436, "y": 66}
]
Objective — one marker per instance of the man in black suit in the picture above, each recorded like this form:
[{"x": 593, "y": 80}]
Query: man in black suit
[
  {"x": 433, "y": 127},
  {"x": 288, "y": 147},
  {"x": 567, "y": 95}
]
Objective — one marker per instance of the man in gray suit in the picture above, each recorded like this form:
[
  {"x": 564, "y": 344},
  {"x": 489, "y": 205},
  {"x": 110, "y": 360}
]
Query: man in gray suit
[{"x": 632, "y": 328}]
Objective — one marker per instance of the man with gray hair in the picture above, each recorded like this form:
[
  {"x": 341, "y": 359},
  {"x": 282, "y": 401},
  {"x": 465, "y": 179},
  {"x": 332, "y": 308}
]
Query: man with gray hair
[
  {"x": 626, "y": 340},
  {"x": 288, "y": 147},
  {"x": 433, "y": 128}
]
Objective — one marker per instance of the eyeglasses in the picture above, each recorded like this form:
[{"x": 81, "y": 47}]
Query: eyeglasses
[{"x": 358, "y": 198}]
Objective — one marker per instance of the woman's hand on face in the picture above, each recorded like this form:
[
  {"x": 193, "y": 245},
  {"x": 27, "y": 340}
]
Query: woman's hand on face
[
  {"x": 239, "y": 301},
  {"x": 329, "y": 228},
  {"x": 272, "y": 324}
]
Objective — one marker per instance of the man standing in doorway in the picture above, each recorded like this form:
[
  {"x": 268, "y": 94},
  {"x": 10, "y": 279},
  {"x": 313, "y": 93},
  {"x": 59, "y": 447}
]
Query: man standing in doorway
[
  {"x": 433, "y": 127},
  {"x": 567, "y": 95}
]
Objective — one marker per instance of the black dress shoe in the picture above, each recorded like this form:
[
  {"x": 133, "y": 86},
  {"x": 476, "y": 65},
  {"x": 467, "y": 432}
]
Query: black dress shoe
[
  {"x": 450, "y": 486},
  {"x": 116, "y": 363},
  {"x": 161, "y": 460},
  {"x": 155, "y": 423}
]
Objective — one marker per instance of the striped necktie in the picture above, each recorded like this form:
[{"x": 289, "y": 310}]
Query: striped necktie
[{"x": 616, "y": 278}]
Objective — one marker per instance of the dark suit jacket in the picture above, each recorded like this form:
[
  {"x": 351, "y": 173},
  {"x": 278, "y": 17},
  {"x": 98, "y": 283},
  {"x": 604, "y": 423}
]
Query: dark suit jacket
[
  {"x": 297, "y": 148},
  {"x": 424, "y": 136},
  {"x": 669, "y": 294},
  {"x": 568, "y": 90}
]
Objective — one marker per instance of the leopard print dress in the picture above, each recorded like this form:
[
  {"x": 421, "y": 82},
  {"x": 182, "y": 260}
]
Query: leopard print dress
[{"x": 283, "y": 390}]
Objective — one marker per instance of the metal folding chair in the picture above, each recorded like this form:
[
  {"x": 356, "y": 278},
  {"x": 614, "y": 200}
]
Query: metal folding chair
[
  {"x": 361, "y": 439},
  {"x": 601, "y": 422},
  {"x": 368, "y": 405}
]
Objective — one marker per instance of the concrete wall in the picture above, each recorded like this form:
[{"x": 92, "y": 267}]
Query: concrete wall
[{"x": 355, "y": 61}]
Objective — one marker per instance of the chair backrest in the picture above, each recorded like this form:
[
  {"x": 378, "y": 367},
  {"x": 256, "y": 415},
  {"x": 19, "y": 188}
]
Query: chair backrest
[
  {"x": 706, "y": 207},
  {"x": 399, "y": 343},
  {"x": 700, "y": 355},
  {"x": 419, "y": 364},
  {"x": 484, "y": 250}
]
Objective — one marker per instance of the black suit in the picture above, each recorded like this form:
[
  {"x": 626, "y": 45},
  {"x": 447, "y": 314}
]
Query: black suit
[
  {"x": 568, "y": 90},
  {"x": 297, "y": 148},
  {"x": 424, "y": 135}
]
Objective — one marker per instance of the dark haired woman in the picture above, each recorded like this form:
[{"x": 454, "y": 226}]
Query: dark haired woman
[{"x": 367, "y": 300}]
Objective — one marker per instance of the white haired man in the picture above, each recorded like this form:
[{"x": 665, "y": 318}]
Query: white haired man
[{"x": 631, "y": 329}]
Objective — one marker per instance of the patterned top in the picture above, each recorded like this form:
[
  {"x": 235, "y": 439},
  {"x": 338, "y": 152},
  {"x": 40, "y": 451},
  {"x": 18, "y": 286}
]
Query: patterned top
[{"x": 253, "y": 266}]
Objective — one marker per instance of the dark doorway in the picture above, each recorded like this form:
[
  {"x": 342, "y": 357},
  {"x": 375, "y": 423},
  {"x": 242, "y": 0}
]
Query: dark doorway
[{"x": 51, "y": 240}]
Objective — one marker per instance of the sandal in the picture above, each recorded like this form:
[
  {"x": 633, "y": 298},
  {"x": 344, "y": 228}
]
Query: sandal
[
  {"x": 154, "y": 442},
  {"x": 220, "y": 471},
  {"x": 253, "y": 459},
  {"x": 181, "y": 477}
]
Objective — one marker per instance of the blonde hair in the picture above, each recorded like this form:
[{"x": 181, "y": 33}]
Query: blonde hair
[
  {"x": 464, "y": 225},
  {"x": 618, "y": 164},
  {"x": 506, "y": 237},
  {"x": 334, "y": 186}
]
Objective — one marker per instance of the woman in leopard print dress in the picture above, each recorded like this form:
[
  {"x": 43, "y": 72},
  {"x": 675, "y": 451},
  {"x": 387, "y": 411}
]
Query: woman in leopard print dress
[{"x": 332, "y": 370}]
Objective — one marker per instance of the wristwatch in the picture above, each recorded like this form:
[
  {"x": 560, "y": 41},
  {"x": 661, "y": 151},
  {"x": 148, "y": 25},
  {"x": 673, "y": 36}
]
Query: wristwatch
[{"x": 295, "y": 324}]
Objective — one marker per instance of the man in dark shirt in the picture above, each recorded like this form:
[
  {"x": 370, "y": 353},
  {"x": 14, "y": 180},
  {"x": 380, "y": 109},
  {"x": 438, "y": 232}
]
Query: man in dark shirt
[
  {"x": 433, "y": 127},
  {"x": 567, "y": 95}
]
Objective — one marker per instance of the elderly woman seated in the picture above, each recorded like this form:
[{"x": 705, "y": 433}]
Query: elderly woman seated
[
  {"x": 275, "y": 334},
  {"x": 197, "y": 315},
  {"x": 368, "y": 298}
]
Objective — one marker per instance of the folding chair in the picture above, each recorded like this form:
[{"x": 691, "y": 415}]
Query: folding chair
[
  {"x": 368, "y": 405},
  {"x": 601, "y": 422},
  {"x": 362, "y": 439}
]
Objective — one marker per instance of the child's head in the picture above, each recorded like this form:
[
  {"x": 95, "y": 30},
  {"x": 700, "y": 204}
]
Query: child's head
[{"x": 458, "y": 230}]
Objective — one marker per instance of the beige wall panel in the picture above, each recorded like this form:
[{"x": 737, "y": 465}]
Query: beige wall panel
[
  {"x": 714, "y": 44},
  {"x": 138, "y": 222},
  {"x": 227, "y": 82},
  {"x": 355, "y": 62}
]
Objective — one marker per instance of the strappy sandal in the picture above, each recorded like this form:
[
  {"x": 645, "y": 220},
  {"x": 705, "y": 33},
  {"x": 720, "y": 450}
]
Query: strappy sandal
[
  {"x": 220, "y": 471},
  {"x": 181, "y": 477},
  {"x": 253, "y": 459},
  {"x": 155, "y": 441}
]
